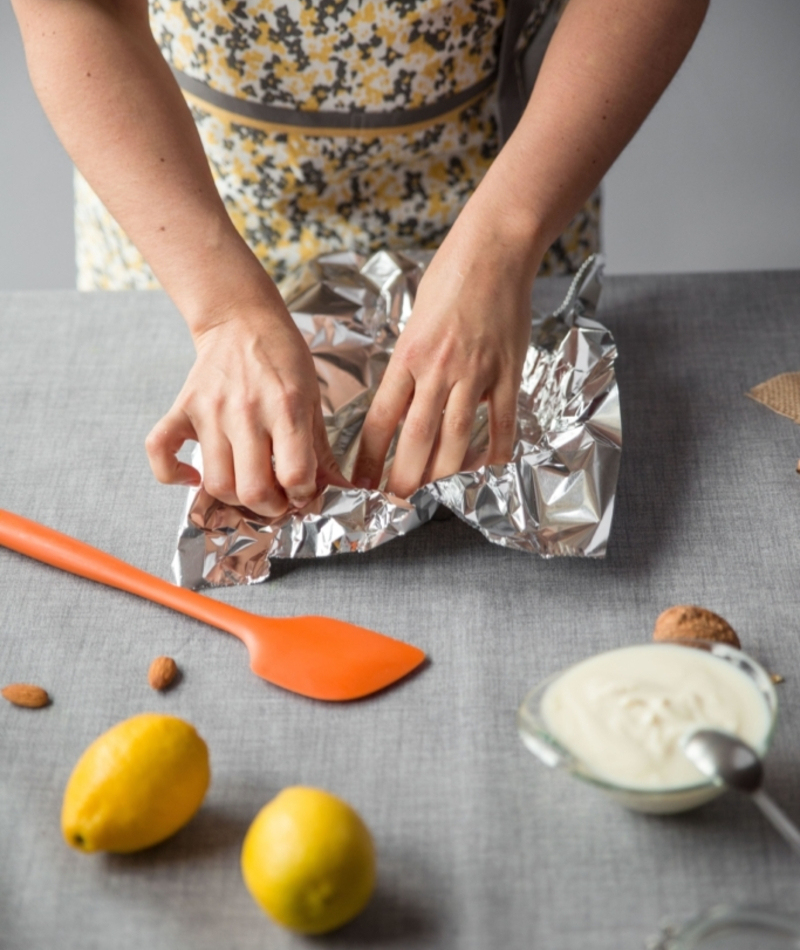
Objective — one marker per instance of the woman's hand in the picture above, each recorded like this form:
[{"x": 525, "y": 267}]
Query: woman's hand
[
  {"x": 604, "y": 70},
  {"x": 464, "y": 343},
  {"x": 251, "y": 396}
]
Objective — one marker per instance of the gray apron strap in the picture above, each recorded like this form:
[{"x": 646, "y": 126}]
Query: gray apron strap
[{"x": 519, "y": 62}]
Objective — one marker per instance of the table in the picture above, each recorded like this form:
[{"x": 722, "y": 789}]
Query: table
[{"x": 480, "y": 847}]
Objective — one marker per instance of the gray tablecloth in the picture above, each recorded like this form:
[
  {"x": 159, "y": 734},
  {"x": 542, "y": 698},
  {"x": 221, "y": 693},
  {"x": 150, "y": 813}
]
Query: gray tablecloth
[{"x": 480, "y": 847}]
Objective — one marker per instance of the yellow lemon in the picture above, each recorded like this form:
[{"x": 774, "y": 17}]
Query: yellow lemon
[
  {"x": 308, "y": 860},
  {"x": 136, "y": 785}
]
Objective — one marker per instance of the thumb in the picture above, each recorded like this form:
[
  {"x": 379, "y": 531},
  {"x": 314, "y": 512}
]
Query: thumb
[{"x": 163, "y": 444}]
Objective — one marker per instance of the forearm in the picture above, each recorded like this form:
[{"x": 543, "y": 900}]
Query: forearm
[
  {"x": 119, "y": 113},
  {"x": 607, "y": 65}
]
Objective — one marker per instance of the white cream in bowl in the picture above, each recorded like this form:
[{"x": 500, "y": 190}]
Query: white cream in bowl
[{"x": 623, "y": 713}]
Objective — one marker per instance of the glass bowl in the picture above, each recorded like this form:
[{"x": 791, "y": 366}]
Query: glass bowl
[
  {"x": 536, "y": 736},
  {"x": 733, "y": 928}
]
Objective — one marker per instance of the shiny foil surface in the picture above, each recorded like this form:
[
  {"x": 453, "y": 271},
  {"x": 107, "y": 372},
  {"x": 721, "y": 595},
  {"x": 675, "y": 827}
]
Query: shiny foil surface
[{"x": 555, "y": 497}]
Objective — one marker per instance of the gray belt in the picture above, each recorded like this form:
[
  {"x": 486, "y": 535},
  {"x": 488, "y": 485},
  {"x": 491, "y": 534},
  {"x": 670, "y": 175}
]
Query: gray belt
[{"x": 520, "y": 61}]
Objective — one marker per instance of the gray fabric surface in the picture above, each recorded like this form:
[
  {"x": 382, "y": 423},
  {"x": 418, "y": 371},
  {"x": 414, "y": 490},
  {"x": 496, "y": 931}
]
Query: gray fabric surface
[{"x": 479, "y": 845}]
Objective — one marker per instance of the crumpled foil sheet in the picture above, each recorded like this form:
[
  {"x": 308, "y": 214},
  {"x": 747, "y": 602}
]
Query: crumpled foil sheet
[{"x": 555, "y": 497}]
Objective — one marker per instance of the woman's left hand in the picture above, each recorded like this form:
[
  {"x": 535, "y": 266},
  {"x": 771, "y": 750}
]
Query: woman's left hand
[
  {"x": 466, "y": 339},
  {"x": 464, "y": 343}
]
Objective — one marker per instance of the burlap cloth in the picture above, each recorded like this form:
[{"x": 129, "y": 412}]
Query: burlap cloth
[{"x": 781, "y": 393}]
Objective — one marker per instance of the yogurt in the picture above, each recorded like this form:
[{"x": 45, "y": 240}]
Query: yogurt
[{"x": 623, "y": 713}]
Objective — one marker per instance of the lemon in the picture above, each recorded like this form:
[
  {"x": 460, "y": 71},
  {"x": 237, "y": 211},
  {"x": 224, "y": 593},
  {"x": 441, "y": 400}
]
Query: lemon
[
  {"x": 308, "y": 860},
  {"x": 136, "y": 785}
]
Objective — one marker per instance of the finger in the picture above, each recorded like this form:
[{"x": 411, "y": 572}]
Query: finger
[
  {"x": 416, "y": 441},
  {"x": 219, "y": 479},
  {"x": 256, "y": 485},
  {"x": 455, "y": 431},
  {"x": 328, "y": 471},
  {"x": 163, "y": 444},
  {"x": 295, "y": 458},
  {"x": 502, "y": 423},
  {"x": 388, "y": 406}
]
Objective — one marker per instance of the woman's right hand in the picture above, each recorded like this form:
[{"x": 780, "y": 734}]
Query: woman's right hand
[
  {"x": 251, "y": 397},
  {"x": 252, "y": 394}
]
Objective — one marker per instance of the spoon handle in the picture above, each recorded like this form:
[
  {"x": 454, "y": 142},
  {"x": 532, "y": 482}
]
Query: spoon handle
[{"x": 779, "y": 819}]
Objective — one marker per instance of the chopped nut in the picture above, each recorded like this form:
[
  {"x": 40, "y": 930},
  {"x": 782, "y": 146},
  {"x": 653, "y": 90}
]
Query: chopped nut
[
  {"x": 162, "y": 672},
  {"x": 27, "y": 695}
]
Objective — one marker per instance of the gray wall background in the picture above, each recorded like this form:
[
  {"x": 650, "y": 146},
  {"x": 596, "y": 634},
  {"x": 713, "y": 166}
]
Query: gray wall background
[{"x": 711, "y": 181}]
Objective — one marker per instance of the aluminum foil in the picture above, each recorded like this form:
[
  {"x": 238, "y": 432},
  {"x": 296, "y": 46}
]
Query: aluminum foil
[{"x": 555, "y": 497}]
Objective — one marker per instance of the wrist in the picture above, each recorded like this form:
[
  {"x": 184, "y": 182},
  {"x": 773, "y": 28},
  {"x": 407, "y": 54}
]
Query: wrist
[
  {"x": 226, "y": 282},
  {"x": 247, "y": 309},
  {"x": 510, "y": 229}
]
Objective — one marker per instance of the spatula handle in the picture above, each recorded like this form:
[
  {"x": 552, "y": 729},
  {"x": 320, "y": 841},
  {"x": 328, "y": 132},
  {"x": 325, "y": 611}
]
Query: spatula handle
[{"x": 59, "y": 550}]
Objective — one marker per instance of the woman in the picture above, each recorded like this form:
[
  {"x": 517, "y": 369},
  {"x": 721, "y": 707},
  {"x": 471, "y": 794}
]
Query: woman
[{"x": 333, "y": 124}]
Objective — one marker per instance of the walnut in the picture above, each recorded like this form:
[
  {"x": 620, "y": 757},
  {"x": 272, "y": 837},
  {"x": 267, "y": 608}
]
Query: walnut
[{"x": 694, "y": 623}]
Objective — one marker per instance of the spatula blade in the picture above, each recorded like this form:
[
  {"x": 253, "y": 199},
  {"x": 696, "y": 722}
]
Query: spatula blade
[{"x": 329, "y": 659}]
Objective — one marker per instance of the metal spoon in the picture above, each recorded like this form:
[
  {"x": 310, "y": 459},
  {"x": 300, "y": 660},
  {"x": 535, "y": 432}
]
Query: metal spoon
[{"x": 732, "y": 762}]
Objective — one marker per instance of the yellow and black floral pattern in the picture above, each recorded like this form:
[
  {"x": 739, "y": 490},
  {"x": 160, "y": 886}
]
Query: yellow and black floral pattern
[{"x": 294, "y": 191}]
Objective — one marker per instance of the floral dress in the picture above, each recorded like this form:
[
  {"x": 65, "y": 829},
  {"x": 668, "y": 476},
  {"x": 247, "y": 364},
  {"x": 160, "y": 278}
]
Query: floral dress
[{"x": 331, "y": 125}]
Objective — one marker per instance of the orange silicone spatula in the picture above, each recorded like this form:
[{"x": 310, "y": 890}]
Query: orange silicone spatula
[{"x": 315, "y": 656}]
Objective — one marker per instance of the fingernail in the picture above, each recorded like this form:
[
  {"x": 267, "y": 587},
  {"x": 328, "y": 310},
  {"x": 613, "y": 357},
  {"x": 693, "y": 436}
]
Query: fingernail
[
  {"x": 297, "y": 502},
  {"x": 193, "y": 481},
  {"x": 363, "y": 483}
]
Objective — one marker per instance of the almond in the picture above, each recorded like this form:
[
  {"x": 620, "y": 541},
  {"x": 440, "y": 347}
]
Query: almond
[
  {"x": 162, "y": 673},
  {"x": 26, "y": 694},
  {"x": 694, "y": 623}
]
